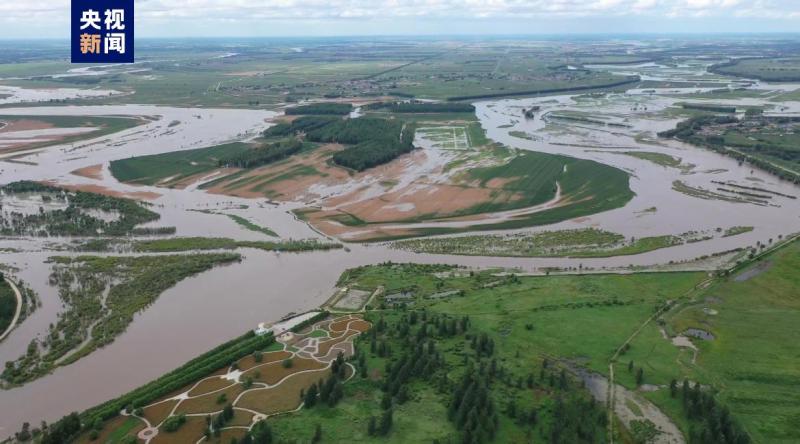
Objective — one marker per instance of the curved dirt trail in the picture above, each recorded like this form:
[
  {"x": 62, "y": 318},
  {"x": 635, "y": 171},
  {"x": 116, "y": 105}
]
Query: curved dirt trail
[{"x": 17, "y": 312}]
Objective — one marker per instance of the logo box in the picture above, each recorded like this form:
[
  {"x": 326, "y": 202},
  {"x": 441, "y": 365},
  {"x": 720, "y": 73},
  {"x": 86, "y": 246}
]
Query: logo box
[{"x": 102, "y": 31}]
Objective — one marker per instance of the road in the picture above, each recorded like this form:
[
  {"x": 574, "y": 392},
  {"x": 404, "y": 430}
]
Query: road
[{"x": 16, "y": 313}]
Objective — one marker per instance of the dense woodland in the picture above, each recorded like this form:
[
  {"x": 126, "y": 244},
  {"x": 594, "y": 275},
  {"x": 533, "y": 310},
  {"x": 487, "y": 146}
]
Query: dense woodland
[
  {"x": 375, "y": 141},
  {"x": 262, "y": 155}
]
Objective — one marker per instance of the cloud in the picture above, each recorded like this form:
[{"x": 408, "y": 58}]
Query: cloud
[{"x": 35, "y": 15}]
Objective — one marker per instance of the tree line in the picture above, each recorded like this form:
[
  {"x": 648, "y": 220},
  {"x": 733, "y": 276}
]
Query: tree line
[
  {"x": 262, "y": 155},
  {"x": 68, "y": 427},
  {"x": 414, "y": 106},
  {"x": 339, "y": 109}
]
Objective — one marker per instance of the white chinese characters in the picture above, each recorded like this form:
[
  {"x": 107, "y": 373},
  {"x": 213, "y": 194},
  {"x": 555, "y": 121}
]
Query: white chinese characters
[{"x": 112, "y": 42}]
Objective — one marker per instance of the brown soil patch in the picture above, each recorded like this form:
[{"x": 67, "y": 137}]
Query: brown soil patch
[
  {"x": 240, "y": 418},
  {"x": 91, "y": 172},
  {"x": 210, "y": 385},
  {"x": 208, "y": 403},
  {"x": 360, "y": 325},
  {"x": 109, "y": 428},
  {"x": 190, "y": 432},
  {"x": 288, "y": 179},
  {"x": 340, "y": 324},
  {"x": 424, "y": 200},
  {"x": 158, "y": 412},
  {"x": 324, "y": 347},
  {"x": 274, "y": 373},
  {"x": 23, "y": 125},
  {"x": 249, "y": 361},
  {"x": 284, "y": 397},
  {"x": 136, "y": 195}
]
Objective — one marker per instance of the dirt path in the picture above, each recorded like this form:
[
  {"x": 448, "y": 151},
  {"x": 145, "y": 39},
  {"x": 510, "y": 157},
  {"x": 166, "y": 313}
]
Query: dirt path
[
  {"x": 16, "y": 312},
  {"x": 630, "y": 406},
  {"x": 670, "y": 432},
  {"x": 306, "y": 348}
]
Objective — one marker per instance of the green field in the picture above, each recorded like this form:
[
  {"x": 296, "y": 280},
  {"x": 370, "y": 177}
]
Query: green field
[
  {"x": 781, "y": 69},
  {"x": 591, "y": 187},
  {"x": 529, "y": 319},
  {"x": 175, "y": 166},
  {"x": 261, "y": 76},
  {"x": 753, "y": 360}
]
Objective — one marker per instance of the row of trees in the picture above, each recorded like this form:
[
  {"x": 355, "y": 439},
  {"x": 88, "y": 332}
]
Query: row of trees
[
  {"x": 423, "y": 107},
  {"x": 262, "y": 155},
  {"x": 69, "y": 426},
  {"x": 340, "y": 109}
]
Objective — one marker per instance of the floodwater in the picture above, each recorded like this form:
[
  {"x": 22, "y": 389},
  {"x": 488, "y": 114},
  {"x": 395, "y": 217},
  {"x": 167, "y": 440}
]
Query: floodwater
[{"x": 205, "y": 310}]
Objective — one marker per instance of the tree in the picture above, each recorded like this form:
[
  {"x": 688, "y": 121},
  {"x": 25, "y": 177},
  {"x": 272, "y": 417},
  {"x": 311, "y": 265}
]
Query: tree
[
  {"x": 261, "y": 433},
  {"x": 639, "y": 376},
  {"x": 311, "y": 396},
  {"x": 317, "y": 434},
  {"x": 673, "y": 388},
  {"x": 386, "y": 422},
  {"x": 371, "y": 426}
]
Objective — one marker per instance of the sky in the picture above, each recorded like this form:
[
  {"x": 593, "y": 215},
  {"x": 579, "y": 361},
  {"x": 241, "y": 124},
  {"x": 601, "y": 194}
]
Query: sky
[{"x": 255, "y": 18}]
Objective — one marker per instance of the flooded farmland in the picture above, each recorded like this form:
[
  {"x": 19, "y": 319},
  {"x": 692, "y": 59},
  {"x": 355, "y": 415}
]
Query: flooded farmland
[{"x": 203, "y": 311}]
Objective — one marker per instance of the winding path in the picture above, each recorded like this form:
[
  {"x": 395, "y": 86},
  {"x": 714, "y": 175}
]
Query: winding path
[
  {"x": 16, "y": 313},
  {"x": 307, "y": 348}
]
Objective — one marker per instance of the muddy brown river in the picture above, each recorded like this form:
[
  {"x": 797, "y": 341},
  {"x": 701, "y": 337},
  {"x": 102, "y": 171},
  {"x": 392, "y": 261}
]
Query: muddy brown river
[{"x": 205, "y": 310}]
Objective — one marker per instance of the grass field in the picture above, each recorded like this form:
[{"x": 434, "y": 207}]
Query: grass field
[
  {"x": 173, "y": 167},
  {"x": 528, "y": 319},
  {"x": 753, "y": 360}
]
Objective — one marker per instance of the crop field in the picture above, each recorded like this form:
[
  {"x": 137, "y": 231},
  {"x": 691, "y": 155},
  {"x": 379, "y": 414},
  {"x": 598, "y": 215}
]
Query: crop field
[
  {"x": 172, "y": 168},
  {"x": 491, "y": 180},
  {"x": 261, "y": 76},
  {"x": 447, "y": 137}
]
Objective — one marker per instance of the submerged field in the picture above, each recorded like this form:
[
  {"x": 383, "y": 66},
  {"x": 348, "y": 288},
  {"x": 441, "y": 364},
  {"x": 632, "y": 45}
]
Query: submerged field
[{"x": 19, "y": 133}]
